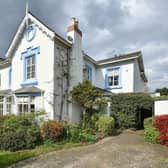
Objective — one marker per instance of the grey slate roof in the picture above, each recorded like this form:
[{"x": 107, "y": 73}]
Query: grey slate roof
[
  {"x": 31, "y": 89},
  {"x": 5, "y": 92}
]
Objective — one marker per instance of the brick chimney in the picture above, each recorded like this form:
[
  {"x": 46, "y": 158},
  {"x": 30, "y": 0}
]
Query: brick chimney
[{"x": 74, "y": 27}]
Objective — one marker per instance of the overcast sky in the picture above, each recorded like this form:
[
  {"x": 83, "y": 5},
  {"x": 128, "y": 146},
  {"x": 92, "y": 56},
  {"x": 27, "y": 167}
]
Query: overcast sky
[{"x": 109, "y": 27}]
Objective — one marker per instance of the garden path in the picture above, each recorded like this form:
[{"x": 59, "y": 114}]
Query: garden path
[{"x": 126, "y": 150}]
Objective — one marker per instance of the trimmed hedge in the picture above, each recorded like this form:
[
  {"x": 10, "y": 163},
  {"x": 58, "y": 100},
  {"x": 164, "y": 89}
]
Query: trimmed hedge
[{"x": 126, "y": 108}]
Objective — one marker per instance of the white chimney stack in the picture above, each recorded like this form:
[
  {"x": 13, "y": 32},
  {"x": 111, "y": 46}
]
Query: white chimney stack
[{"x": 74, "y": 35}]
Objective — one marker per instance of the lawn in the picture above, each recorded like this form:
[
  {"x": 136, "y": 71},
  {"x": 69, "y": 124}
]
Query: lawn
[{"x": 9, "y": 158}]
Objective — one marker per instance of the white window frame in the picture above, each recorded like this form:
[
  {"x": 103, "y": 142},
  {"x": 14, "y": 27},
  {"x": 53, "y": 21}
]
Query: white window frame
[
  {"x": 112, "y": 74},
  {"x": 30, "y": 67}
]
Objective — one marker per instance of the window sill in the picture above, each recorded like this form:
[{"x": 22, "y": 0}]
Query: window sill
[
  {"x": 114, "y": 87},
  {"x": 29, "y": 82}
]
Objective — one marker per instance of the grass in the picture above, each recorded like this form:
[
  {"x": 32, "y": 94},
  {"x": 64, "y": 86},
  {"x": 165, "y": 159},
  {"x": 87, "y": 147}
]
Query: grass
[{"x": 9, "y": 158}]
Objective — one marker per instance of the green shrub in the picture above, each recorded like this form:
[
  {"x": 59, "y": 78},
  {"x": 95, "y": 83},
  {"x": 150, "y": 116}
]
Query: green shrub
[
  {"x": 148, "y": 122},
  {"x": 52, "y": 130},
  {"x": 2, "y": 119},
  {"x": 125, "y": 120},
  {"x": 85, "y": 136},
  {"x": 94, "y": 118},
  {"x": 151, "y": 134},
  {"x": 105, "y": 124},
  {"x": 126, "y": 108},
  {"x": 25, "y": 128},
  {"x": 13, "y": 141},
  {"x": 75, "y": 134}
]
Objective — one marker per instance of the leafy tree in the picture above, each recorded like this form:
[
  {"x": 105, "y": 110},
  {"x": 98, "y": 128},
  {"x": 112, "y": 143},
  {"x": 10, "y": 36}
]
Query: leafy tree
[
  {"x": 89, "y": 98},
  {"x": 162, "y": 91}
]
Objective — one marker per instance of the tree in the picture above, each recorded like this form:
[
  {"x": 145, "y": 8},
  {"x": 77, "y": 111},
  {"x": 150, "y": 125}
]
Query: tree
[
  {"x": 88, "y": 97},
  {"x": 163, "y": 91}
]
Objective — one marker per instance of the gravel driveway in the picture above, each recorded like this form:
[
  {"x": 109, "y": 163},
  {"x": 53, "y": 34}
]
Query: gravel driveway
[{"x": 127, "y": 150}]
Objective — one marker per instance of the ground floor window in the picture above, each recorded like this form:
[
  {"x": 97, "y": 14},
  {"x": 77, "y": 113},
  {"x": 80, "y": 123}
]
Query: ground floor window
[
  {"x": 9, "y": 105},
  {"x": 1, "y": 105},
  {"x": 26, "y": 105}
]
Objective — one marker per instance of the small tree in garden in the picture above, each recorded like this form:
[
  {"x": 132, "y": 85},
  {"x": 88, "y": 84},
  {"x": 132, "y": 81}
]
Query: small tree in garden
[{"x": 89, "y": 98}]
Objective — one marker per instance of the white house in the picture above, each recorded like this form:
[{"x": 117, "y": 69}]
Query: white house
[{"x": 40, "y": 69}]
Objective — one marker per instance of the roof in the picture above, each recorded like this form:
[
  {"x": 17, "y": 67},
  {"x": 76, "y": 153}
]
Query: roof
[
  {"x": 5, "y": 92},
  {"x": 50, "y": 33},
  {"x": 5, "y": 63},
  {"x": 125, "y": 57},
  {"x": 104, "y": 91},
  {"x": 31, "y": 89}
]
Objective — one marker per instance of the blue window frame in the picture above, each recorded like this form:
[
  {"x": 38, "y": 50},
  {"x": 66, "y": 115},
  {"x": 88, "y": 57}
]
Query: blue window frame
[
  {"x": 113, "y": 78},
  {"x": 30, "y": 66},
  {"x": 88, "y": 72}
]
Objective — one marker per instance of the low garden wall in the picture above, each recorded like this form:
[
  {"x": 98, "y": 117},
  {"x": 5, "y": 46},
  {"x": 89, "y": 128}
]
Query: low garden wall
[{"x": 161, "y": 106}]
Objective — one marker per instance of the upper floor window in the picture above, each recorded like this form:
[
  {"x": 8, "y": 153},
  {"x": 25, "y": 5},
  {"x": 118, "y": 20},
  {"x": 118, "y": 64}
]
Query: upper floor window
[
  {"x": 30, "y": 67},
  {"x": 113, "y": 77},
  {"x": 87, "y": 72}
]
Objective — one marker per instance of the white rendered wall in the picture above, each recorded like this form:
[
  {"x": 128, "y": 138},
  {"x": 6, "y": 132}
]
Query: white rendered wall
[
  {"x": 161, "y": 107},
  {"x": 44, "y": 67},
  {"x": 139, "y": 84},
  {"x": 4, "y": 78}
]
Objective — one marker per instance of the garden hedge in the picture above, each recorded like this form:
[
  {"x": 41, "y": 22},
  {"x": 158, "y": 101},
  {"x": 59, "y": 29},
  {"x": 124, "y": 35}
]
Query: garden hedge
[{"x": 127, "y": 108}]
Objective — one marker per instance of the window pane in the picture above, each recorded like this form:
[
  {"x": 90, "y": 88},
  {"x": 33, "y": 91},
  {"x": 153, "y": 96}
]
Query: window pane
[
  {"x": 1, "y": 98},
  {"x": 115, "y": 83},
  {"x": 33, "y": 59},
  {"x": 32, "y": 108},
  {"x": 116, "y": 78},
  {"x": 33, "y": 75},
  {"x": 110, "y": 81},
  {"x": 31, "y": 71},
  {"x": 113, "y": 77},
  {"x": 28, "y": 61}
]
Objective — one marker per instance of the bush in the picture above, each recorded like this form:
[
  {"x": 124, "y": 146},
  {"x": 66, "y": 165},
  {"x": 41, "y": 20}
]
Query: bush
[
  {"x": 161, "y": 123},
  {"x": 13, "y": 141},
  {"x": 148, "y": 122},
  {"x": 26, "y": 131},
  {"x": 125, "y": 120},
  {"x": 126, "y": 108},
  {"x": 105, "y": 124},
  {"x": 94, "y": 118},
  {"x": 52, "y": 130},
  {"x": 77, "y": 134},
  {"x": 151, "y": 134}
]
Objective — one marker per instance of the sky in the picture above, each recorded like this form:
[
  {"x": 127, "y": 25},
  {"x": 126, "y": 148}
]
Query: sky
[{"x": 109, "y": 27}]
